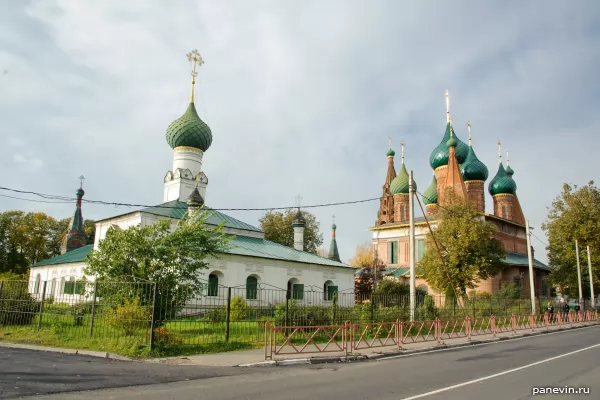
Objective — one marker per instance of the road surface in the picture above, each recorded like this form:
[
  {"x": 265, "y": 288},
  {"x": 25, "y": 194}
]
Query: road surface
[{"x": 501, "y": 371}]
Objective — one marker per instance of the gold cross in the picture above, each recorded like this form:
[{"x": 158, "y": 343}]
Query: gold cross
[
  {"x": 469, "y": 129},
  {"x": 196, "y": 60},
  {"x": 298, "y": 200},
  {"x": 81, "y": 179},
  {"x": 334, "y": 218}
]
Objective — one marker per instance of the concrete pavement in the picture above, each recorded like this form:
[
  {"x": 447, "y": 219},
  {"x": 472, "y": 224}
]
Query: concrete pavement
[{"x": 503, "y": 370}]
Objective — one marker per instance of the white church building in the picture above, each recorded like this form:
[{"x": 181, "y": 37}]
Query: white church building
[{"x": 251, "y": 261}]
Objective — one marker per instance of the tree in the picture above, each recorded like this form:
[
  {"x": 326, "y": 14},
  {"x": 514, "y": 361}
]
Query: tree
[
  {"x": 278, "y": 228},
  {"x": 365, "y": 284},
  {"x": 363, "y": 256},
  {"x": 574, "y": 215},
  {"x": 321, "y": 252},
  {"x": 174, "y": 260},
  {"x": 469, "y": 251}
]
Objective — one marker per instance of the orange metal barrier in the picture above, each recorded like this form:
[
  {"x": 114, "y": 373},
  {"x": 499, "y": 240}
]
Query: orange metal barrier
[{"x": 349, "y": 337}]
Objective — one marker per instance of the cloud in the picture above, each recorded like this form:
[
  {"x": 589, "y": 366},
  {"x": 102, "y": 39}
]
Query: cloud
[
  {"x": 29, "y": 162},
  {"x": 301, "y": 98}
]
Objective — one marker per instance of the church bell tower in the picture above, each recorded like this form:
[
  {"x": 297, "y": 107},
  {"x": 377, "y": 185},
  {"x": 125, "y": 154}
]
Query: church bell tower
[{"x": 189, "y": 137}]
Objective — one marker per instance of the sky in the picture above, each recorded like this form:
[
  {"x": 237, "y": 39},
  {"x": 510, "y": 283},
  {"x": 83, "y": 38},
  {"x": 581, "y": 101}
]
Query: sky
[{"x": 301, "y": 98}]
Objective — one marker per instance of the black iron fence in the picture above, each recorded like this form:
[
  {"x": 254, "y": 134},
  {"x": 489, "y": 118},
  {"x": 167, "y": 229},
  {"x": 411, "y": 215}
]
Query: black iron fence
[{"x": 147, "y": 314}]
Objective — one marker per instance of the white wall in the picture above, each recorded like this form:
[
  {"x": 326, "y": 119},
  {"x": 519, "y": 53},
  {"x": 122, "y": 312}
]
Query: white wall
[
  {"x": 54, "y": 275},
  {"x": 123, "y": 222}
]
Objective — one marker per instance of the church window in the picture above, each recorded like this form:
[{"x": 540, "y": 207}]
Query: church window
[
  {"x": 69, "y": 287},
  {"x": 329, "y": 290},
  {"x": 402, "y": 213},
  {"x": 517, "y": 280},
  {"x": 79, "y": 287},
  {"x": 251, "y": 288},
  {"x": 213, "y": 285},
  {"x": 392, "y": 252},
  {"x": 36, "y": 287},
  {"x": 420, "y": 249},
  {"x": 504, "y": 212},
  {"x": 295, "y": 290}
]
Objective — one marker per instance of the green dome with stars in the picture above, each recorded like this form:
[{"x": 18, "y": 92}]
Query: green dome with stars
[
  {"x": 430, "y": 195},
  {"x": 190, "y": 131},
  {"x": 502, "y": 183},
  {"x": 473, "y": 169},
  {"x": 439, "y": 155},
  {"x": 400, "y": 183}
]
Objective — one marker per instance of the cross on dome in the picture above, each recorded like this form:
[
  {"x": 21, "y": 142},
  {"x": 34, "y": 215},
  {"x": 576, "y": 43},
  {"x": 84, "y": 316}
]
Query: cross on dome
[{"x": 196, "y": 60}]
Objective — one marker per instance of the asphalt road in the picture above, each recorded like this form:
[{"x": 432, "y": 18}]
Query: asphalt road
[
  {"x": 30, "y": 372},
  {"x": 505, "y": 370}
]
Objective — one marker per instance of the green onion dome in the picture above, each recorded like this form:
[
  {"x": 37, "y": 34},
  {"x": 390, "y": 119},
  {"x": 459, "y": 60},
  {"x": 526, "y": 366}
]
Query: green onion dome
[
  {"x": 334, "y": 227},
  {"x": 390, "y": 153},
  {"x": 79, "y": 192},
  {"x": 190, "y": 131},
  {"x": 502, "y": 183},
  {"x": 400, "y": 183},
  {"x": 439, "y": 155},
  {"x": 430, "y": 195},
  {"x": 509, "y": 171},
  {"x": 473, "y": 169}
]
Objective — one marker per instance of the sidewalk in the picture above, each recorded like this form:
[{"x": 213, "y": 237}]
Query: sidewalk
[{"x": 256, "y": 357}]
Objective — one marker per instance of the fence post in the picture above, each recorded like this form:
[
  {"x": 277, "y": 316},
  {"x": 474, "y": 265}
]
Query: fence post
[
  {"x": 42, "y": 306},
  {"x": 228, "y": 316},
  {"x": 93, "y": 308},
  {"x": 1, "y": 285},
  {"x": 287, "y": 310},
  {"x": 153, "y": 322}
]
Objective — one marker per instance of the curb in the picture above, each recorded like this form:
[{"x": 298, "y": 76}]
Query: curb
[
  {"x": 97, "y": 354},
  {"x": 383, "y": 356}
]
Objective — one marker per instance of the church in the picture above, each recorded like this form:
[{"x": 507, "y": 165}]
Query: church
[
  {"x": 455, "y": 165},
  {"x": 252, "y": 261}
]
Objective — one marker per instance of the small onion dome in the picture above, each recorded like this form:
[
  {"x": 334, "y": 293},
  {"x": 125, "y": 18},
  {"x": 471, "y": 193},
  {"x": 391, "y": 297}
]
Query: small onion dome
[
  {"x": 299, "y": 219},
  {"x": 79, "y": 192},
  {"x": 400, "y": 183},
  {"x": 473, "y": 169},
  {"x": 195, "y": 198},
  {"x": 190, "y": 131},
  {"x": 334, "y": 227},
  {"x": 509, "y": 171},
  {"x": 439, "y": 155},
  {"x": 502, "y": 183},
  {"x": 430, "y": 195},
  {"x": 390, "y": 153}
]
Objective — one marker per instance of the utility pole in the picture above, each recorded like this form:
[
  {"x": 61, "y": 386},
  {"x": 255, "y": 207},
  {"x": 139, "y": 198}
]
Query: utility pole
[
  {"x": 411, "y": 245},
  {"x": 591, "y": 279},
  {"x": 530, "y": 257},
  {"x": 578, "y": 273}
]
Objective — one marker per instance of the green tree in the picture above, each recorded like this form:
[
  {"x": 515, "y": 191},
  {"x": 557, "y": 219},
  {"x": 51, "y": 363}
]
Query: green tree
[
  {"x": 173, "y": 259},
  {"x": 574, "y": 215},
  {"x": 278, "y": 228},
  {"x": 469, "y": 252}
]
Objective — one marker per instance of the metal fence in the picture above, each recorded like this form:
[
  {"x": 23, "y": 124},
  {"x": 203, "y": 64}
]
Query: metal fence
[{"x": 147, "y": 314}]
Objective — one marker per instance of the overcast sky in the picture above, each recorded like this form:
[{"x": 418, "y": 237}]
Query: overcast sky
[{"x": 301, "y": 97}]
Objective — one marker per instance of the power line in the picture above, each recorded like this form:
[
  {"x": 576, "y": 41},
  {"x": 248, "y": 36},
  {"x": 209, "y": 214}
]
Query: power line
[
  {"x": 109, "y": 203},
  {"x": 34, "y": 200}
]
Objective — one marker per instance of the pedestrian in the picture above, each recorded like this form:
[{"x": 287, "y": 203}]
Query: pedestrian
[
  {"x": 566, "y": 310},
  {"x": 577, "y": 309},
  {"x": 550, "y": 309}
]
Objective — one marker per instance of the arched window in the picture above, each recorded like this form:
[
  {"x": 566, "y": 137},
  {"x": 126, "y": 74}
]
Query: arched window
[
  {"x": 251, "y": 288},
  {"x": 295, "y": 289},
  {"x": 504, "y": 212},
  {"x": 329, "y": 290},
  {"x": 52, "y": 288},
  {"x": 36, "y": 285},
  {"x": 213, "y": 285},
  {"x": 69, "y": 287}
]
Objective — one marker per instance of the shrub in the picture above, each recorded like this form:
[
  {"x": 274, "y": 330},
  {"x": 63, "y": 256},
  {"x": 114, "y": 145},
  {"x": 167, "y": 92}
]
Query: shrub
[
  {"x": 131, "y": 317},
  {"x": 17, "y": 306},
  {"x": 79, "y": 311},
  {"x": 162, "y": 337},
  {"x": 238, "y": 309}
]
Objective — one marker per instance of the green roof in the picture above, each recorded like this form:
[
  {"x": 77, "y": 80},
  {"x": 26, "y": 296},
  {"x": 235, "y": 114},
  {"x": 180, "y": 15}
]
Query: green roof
[
  {"x": 473, "y": 169},
  {"x": 73, "y": 256},
  {"x": 255, "y": 247},
  {"x": 240, "y": 245},
  {"x": 522, "y": 259},
  {"x": 502, "y": 183},
  {"x": 439, "y": 155},
  {"x": 178, "y": 209}
]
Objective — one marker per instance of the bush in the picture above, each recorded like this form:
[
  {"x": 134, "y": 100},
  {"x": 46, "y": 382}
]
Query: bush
[
  {"x": 79, "y": 311},
  {"x": 131, "y": 317},
  {"x": 302, "y": 315},
  {"x": 17, "y": 306},
  {"x": 238, "y": 309}
]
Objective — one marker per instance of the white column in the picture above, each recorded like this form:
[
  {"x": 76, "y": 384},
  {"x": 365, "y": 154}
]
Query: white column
[
  {"x": 411, "y": 246},
  {"x": 299, "y": 238},
  {"x": 530, "y": 257},
  {"x": 591, "y": 279}
]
